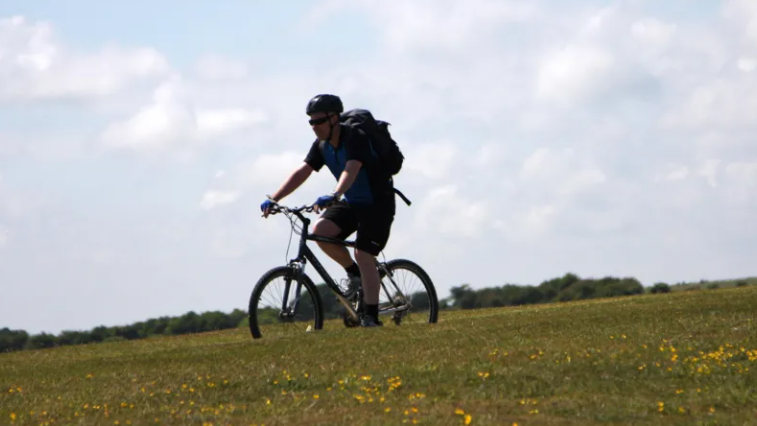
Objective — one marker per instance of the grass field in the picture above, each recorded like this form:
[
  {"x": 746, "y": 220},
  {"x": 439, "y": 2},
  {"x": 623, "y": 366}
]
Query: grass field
[{"x": 683, "y": 358}]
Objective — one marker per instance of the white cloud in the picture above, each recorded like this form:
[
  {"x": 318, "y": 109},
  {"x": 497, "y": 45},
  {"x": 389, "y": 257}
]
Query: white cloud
[
  {"x": 572, "y": 73},
  {"x": 35, "y": 65},
  {"x": 449, "y": 211},
  {"x": 213, "y": 199},
  {"x": 676, "y": 172},
  {"x": 563, "y": 171},
  {"x": 4, "y": 237},
  {"x": 741, "y": 183},
  {"x": 653, "y": 32},
  {"x": 709, "y": 170},
  {"x": 744, "y": 14},
  {"x": 268, "y": 170},
  {"x": 172, "y": 120},
  {"x": 447, "y": 26},
  {"x": 718, "y": 102},
  {"x": 747, "y": 64},
  {"x": 257, "y": 177},
  {"x": 435, "y": 160}
]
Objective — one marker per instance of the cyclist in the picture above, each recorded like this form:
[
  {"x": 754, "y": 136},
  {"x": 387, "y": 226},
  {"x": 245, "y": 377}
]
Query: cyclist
[{"x": 361, "y": 202}]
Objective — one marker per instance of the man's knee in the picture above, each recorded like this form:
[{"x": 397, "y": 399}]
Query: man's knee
[{"x": 326, "y": 228}]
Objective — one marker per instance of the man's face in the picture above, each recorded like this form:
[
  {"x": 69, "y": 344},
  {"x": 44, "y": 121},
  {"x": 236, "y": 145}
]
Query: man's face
[{"x": 319, "y": 121}]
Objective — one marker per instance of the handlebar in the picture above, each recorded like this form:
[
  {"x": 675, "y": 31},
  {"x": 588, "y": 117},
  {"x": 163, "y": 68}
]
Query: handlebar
[{"x": 278, "y": 208}]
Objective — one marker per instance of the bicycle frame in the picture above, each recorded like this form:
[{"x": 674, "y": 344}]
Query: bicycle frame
[{"x": 305, "y": 255}]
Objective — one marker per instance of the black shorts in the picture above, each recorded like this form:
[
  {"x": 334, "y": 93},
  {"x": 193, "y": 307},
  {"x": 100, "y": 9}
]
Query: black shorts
[{"x": 372, "y": 223}]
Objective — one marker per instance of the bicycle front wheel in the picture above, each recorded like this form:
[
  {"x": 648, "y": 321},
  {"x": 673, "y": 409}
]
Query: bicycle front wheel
[
  {"x": 282, "y": 304},
  {"x": 407, "y": 293}
]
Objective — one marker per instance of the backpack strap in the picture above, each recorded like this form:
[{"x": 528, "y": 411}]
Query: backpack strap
[{"x": 398, "y": 192}]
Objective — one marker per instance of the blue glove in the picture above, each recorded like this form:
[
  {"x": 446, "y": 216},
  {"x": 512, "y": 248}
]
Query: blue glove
[
  {"x": 267, "y": 204},
  {"x": 325, "y": 200}
]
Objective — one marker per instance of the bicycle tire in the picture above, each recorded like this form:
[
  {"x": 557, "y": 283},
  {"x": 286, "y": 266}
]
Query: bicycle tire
[
  {"x": 265, "y": 279},
  {"x": 413, "y": 267}
]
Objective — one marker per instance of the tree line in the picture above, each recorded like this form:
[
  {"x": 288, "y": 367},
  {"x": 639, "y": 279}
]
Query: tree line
[
  {"x": 562, "y": 289},
  {"x": 191, "y": 322}
]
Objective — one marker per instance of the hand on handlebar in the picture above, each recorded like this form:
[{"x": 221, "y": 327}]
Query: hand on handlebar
[
  {"x": 324, "y": 201},
  {"x": 266, "y": 206}
]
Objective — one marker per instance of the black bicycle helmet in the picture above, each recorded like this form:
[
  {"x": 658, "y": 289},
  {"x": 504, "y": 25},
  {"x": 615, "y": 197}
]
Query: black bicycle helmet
[{"x": 325, "y": 103}]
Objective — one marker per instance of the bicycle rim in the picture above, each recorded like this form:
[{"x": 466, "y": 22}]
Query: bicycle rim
[
  {"x": 409, "y": 290},
  {"x": 282, "y": 306}
]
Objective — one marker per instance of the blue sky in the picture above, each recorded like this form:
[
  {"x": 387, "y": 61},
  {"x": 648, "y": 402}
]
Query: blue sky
[{"x": 137, "y": 142}]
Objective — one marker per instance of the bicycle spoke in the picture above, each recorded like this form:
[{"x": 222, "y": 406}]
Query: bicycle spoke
[
  {"x": 406, "y": 292},
  {"x": 283, "y": 307}
]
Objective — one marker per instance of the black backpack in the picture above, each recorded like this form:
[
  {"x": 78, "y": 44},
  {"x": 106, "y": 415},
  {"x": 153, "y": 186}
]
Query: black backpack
[
  {"x": 387, "y": 150},
  {"x": 390, "y": 156}
]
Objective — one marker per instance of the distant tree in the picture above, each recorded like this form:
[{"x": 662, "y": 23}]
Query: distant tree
[
  {"x": 12, "y": 340},
  {"x": 129, "y": 332},
  {"x": 551, "y": 288},
  {"x": 463, "y": 297},
  {"x": 68, "y": 337},
  {"x": 629, "y": 286},
  {"x": 419, "y": 300},
  {"x": 40, "y": 341},
  {"x": 490, "y": 297},
  {"x": 187, "y": 323},
  {"x": 741, "y": 283},
  {"x": 468, "y": 301},
  {"x": 713, "y": 286},
  {"x": 660, "y": 288},
  {"x": 530, "y": 295},
  {"x": 586, "y": 289},
  {"x": 510, "y": 294},
  {"x": 215, "y": 320},
  {"x": 237, "y": 315},
  {"x": 100, "y": 333},
  {"x": 155, "y": 326}
]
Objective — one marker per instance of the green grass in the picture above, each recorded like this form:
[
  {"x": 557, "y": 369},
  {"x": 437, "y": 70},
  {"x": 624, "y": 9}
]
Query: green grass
[{"x": 684, "y": 358}]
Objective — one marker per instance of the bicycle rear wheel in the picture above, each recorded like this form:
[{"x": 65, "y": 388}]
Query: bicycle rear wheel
[
  {"x": 278, "y": 304},
  {"x": 407, "y": 293}
]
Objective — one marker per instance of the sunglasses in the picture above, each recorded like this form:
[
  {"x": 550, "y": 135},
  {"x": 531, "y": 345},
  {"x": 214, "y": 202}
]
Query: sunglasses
[{"x": 317, "y": 121}]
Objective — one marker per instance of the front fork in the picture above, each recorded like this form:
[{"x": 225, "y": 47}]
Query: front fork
[
  {"x": 287, "y": 312},
  {"x": 298, "y": 268}
]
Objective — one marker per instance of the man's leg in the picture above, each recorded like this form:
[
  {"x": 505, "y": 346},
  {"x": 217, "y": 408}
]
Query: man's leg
[
  {"x": 337, "y": 222},
  {"x": 327, "y": 228},
  {"x": 369, "y": 273},
  {"x": 374, "y": 226}
]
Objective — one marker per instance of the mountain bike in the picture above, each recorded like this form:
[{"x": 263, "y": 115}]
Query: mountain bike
[{"x": 297, "y": 308}]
